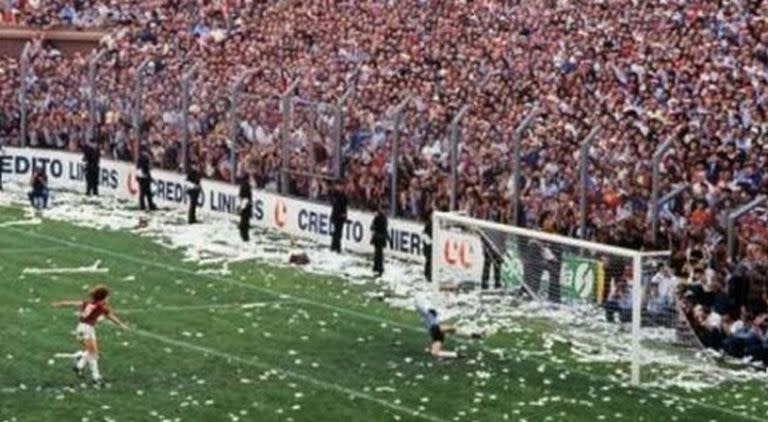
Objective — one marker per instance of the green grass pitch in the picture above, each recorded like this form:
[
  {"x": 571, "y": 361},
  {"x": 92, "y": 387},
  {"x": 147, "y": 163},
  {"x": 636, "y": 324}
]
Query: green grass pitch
[{"x": 279, "y": 344}]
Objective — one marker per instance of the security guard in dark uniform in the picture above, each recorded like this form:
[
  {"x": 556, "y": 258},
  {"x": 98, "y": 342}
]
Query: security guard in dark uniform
[
  {"x": 193, "y": 190},
  {"x": 338, "y": 215},
  {"x": 91, "y": 157},
  {"x": 379, "y": 237},
  {"x": 245, "y": 208},
  {"x": 144, "y": 177},
  {"x": 426, "y": 239}
]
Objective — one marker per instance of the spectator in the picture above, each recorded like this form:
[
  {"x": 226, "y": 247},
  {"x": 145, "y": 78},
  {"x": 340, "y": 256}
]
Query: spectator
[
  {"x": 38, "y": 196},
  {"x": 619, "y": 301},
  {"x": 708, "y": 326},
  {"x": 660, "y": 308}
]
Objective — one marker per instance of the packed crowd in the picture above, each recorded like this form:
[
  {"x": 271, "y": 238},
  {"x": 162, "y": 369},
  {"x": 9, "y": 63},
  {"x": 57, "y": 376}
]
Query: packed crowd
[
  {"x": 78, "y": 14},
  {"x": 694, "y": 72}
]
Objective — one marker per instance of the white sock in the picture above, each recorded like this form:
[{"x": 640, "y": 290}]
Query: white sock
[
  {"x": 447, "y": 354},
  {"x": 82, "y": 358},
  {"x": 94, "y": 364}
]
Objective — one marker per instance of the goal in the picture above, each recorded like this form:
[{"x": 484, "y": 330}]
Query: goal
[{"x": 611, "y": 304}]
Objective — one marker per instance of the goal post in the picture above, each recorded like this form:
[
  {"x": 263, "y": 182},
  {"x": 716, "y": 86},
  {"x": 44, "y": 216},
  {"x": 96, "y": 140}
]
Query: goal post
[{"x": 603, "y": 286}]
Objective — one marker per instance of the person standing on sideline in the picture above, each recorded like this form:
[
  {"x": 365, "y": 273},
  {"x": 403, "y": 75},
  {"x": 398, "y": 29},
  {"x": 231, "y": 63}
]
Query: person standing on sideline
[
  {"x": 245, "y": 208},
  {"x": 91, "y": 157},
  {"x": 426, "y": 238},
  {"x": 338, "y": 215},
  {"x": 193, "y": 190},
  {"x": 144, "y": 177},
  {"x": 38, "y": 196},
  {"x": 379, "y": 237}
]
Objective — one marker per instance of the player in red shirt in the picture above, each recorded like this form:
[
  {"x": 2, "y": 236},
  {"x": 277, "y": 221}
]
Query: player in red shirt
[{"x": 89, "y": 313}]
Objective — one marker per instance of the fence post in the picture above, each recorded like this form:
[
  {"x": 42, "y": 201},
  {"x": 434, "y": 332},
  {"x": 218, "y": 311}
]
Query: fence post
[
  {"x": 677, "y": 190},
  {"x": 92, "y": 63},
  {"x": 637, "y": 305},
  {"x": 286, "y": 104},
  {"x": 138, "y": 94},
  {"x": 735, "y": 215},
  {"x": 398, "y": 114},
  {"x": 487, "y": 78},
  {"x": 338, "y": 129},
  {"x": 517, "y": 136},
  {"x": 186, "y": 82},
  {"x": 24, "y": 77},
  {"x": 234, "y": 121},
  {"x": 583, "y": 167},
  {"x": 453, "y": 138},
  {"x": 657, "y": 156}
]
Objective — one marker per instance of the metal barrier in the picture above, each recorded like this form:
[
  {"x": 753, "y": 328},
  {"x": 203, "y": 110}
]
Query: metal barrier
[
  {"x": 138, "y": 96},
  {"x": 517, "y": 136},
  {"x": 338, "y": 129},
  {"x": 733, "y": 217},
  {"x": 234, "y": 121},
  {"x": 397, "y": 114},
  {"x": 655, "y": 186},
  {"x": 23, "y": 92},
  {"x": 186, "y": 84},
  {"x": 584, "y": 179},
  {"x": 676, "y": 191},
  {"x": 333, "y": 129},
  {"x": 93, "y": 62},
  {"x": 286, "y": 106},
  {"x": 454, "y": 136}
]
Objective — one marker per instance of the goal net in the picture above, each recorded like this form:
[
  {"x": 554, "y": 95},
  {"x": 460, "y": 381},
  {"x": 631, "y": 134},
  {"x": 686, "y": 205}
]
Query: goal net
[{"x": 611, "y": 305}]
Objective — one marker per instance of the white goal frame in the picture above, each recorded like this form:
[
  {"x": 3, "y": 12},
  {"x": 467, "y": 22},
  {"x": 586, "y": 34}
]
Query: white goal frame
[{"x": 637, "y": 258}]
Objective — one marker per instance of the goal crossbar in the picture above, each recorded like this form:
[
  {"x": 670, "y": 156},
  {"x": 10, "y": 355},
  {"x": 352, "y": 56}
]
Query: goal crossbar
[{"x": 548, "y": 237}]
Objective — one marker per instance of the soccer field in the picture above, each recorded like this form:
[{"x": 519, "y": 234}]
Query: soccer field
[{"x": 262, "y": 343}]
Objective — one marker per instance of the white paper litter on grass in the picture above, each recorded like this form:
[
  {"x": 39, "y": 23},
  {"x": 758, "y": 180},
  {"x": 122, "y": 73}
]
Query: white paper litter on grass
[
  {"x": 26, "y": 222},
  {"x": 93, "y": 268},
  {"x": 215, "y": 244}
]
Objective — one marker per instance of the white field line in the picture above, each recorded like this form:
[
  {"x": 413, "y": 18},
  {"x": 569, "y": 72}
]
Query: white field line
[
  {"x": 565, "y": 367},
  {"x": 27, "y": 222},
  {"x": 94, "y": 268},
  {"x": 198, "y": 307},
  {"x": 304, "y": 378},
  {"x": 4, "y": 251}
]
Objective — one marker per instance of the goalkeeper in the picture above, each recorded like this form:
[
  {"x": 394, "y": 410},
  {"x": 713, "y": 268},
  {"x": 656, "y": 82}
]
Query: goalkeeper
[{"x": 437, "y": 331}]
